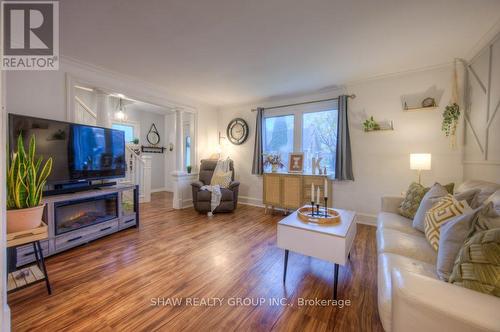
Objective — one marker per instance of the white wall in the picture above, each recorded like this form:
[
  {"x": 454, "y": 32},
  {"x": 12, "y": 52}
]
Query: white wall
[
  {"x": 380, "y": 159},
  {"x": 484, "y": 165},
  {"x": 43, "y": 94},
  {"x": 4, "y": 308},
  {"x": 145, "y": 118}
]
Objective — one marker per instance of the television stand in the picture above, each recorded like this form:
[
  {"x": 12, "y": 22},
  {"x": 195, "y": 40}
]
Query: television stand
[
  {"x": 77, "y": 218},
  {"x": 70, "y": 188}
]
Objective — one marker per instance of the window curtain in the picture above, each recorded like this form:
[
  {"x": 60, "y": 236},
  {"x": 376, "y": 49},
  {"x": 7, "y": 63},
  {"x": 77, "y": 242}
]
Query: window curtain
[
  {"x": 258, "y": 159},
  {"x": 343, "y": 160}
]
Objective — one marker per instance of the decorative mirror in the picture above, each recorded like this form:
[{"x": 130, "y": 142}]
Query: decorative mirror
[
  {"x": 237, "y": 131},
  {"x": 153, "y": 136}
]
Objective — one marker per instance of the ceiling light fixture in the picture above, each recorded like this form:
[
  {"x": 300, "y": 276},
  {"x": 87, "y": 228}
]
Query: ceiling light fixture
[{"x": 120, "y": 113}]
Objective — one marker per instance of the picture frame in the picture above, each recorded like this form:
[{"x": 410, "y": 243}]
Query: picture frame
[{"x": 296, "y": 162}]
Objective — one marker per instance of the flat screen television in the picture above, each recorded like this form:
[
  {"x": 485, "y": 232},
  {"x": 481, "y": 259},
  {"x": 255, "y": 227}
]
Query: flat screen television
[{"x": 80, "y": 153}]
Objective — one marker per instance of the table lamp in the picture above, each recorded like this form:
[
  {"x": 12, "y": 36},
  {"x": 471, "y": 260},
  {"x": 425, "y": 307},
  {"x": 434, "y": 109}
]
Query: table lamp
[{"x": 420, "y": 162}]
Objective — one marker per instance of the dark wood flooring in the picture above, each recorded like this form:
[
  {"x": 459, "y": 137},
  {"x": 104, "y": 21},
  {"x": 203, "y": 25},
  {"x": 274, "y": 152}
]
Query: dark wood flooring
[{"x": 110, "y": 284}]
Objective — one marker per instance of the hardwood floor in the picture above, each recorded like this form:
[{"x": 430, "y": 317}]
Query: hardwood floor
[{"x": 110, "y": 284}]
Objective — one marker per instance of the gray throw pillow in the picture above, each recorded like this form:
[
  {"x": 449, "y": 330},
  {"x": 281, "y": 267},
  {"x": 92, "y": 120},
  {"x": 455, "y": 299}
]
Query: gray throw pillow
[
  {"x": 467, "y": 195},
  {"x": 452, "y": 236},
  {"x": 487, "y": 218},
  {"x": 430, "y": 198}
]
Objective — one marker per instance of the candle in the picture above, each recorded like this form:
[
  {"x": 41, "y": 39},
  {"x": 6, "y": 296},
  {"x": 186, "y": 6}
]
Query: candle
[
  {"x": 326, "y": 188},
  {"x": 312, "y": 192},
  {"x": 317, "y": 196}
]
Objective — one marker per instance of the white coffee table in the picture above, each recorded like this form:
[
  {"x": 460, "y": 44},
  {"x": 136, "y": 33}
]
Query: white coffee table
[{"x": 328, "y": 242}]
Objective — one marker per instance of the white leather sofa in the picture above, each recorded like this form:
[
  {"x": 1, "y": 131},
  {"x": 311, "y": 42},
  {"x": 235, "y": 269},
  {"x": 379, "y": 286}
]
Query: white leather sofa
[{"x": 411, "y": 297}]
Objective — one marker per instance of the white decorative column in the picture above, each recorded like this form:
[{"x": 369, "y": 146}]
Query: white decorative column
[
  {"x": 179, "y": 152},
  {"x": 183, "y": 196},
  {"x": 146, "y": 179},
  {"x": 181, "y": 179},
  {"x": 103, "y": 109}
]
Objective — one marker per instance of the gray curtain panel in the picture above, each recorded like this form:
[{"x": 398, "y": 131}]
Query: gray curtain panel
[
  {"x": 258, "y": 159},
  {"x": 343, "y": 160}
]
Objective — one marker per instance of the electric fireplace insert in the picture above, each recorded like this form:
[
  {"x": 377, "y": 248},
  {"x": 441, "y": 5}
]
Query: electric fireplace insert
[{"x": 76, "y": 214}]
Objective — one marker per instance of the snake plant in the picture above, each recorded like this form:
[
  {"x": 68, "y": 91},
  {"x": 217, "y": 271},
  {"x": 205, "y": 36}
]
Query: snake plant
[{"x": 25, "y": 181}]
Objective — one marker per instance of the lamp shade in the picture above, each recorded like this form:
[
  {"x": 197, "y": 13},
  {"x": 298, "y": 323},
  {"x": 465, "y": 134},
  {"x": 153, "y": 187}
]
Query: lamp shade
[{"x": 420, "y": 161}]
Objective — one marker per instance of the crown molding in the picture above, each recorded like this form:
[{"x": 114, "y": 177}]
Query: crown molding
[
  {"x": 156, "y": 91},
  {"x": 488, "y": 38},
  {"x": 331, "y": 90}
]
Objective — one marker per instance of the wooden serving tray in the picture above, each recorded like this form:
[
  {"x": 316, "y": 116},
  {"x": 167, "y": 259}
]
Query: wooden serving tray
[
  {"x": 305, "y": 215},
  {"x": 35, "y": 234}
]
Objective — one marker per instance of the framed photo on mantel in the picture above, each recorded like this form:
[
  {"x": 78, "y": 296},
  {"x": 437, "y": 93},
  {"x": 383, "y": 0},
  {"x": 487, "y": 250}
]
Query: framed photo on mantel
[{"x": 296, "y": 162}]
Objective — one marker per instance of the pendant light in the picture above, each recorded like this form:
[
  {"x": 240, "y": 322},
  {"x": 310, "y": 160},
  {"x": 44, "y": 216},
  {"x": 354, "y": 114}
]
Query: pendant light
[{"x": 120, "y": 113}]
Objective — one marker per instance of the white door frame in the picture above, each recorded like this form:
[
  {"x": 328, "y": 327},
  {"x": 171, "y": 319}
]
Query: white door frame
[{"x": 4, "y": 309}]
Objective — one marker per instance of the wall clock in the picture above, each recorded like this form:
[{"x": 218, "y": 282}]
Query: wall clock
[
  {"x": 237, "y": 131},
  {"x": 153, "y": 136}
]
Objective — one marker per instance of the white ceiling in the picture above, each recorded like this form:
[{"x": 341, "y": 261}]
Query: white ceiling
[{"x": 234, "y": 51}]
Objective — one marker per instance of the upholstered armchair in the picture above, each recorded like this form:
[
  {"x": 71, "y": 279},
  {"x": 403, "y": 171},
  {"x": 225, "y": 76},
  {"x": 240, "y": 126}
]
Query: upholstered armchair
[{"x": 202, "y": 198}]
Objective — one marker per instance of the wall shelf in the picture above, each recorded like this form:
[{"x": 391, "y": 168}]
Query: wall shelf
[
  {"x": 381, "y": 129},
  {"x": 417, "y": 109}
]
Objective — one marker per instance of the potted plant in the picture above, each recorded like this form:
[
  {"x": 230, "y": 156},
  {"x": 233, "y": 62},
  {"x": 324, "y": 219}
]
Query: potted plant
[
  {"x": 450, "y": 119},
  {"x": 188, "y": 168},
  {"x": 370, "y": 124},
  {"x": 273, "y": 159},
  {"x": 26, "y": 179}
]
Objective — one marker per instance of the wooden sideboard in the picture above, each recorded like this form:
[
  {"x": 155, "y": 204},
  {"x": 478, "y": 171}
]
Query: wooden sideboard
[{"x": 290, "y": 191}]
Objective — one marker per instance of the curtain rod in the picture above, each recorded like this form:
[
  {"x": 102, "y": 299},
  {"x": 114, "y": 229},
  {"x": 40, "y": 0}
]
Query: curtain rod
[{"x": 305, "y": 102}]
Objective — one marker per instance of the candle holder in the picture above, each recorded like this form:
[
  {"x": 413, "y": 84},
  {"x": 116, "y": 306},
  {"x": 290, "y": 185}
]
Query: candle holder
[
  {"x": 317, "y": 209},
  {"x": 312, "y": 210},
  {"x": 326, "y": 206}
]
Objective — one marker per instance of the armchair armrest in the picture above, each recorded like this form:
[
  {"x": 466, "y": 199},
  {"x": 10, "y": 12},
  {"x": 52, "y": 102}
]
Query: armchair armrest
[
  {"x": 391, "y": 203},
  {"x": 233, "y": 185},
  {"x": 197, "y": 184},
  {"x": 420, "y": 303}
]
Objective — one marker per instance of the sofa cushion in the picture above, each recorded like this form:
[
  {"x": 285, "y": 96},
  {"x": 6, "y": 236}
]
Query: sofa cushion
[
  {"x": 397, "y": 222},
  {"x": 443, "y": 211},
  {"x": 430, "y": 198},
  {"x": 386, "y": 263},
  {"x": 486, "y": 189},
  {"x": 467, "y": 195},
  {"x": 413, "y": 246},
  {"x": 412, "y": 200},
  {"x": 451, "y": 239},
  {"x": 495, "y": 199},
  {"x": 478, "y": 264}
]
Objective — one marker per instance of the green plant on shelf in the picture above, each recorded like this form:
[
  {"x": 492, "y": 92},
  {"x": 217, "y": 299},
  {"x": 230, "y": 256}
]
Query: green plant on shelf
[{"x": 370, "y": 124}]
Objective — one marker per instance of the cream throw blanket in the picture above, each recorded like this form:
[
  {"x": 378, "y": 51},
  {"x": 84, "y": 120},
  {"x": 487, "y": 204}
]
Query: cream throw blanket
[{"x": 221, "y": 168}]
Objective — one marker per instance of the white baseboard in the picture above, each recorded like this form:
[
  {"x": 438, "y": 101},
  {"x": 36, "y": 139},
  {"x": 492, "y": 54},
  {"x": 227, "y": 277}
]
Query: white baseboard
[
  {"x": 366, "y": 219},
  {"x": 361, "y": 218},
  {"x": 245, "y": 200},
  {"x": 156, "y": 190}
]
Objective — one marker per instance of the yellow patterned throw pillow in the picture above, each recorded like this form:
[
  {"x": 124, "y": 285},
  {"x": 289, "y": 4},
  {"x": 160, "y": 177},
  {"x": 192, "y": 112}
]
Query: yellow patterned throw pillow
[
  {"x": 223, "y": 179},
  {"x": 443, "y": 211}
]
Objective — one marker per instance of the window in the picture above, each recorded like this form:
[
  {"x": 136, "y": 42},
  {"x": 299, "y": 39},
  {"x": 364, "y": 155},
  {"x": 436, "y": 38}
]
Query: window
[
  {"x": 279, "y": 136},
  {"x": 129, "y": 130},
  {"x": 319, "y": 138},
  {"x": 311, "y": 129},
  {"x": 188, "y": 151}
]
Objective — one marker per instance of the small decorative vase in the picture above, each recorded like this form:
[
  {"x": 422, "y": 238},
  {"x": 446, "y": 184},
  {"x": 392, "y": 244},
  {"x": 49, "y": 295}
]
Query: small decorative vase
[
  {"x": 24, "y": 219},
  {"x": 274, "y": 168}
]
